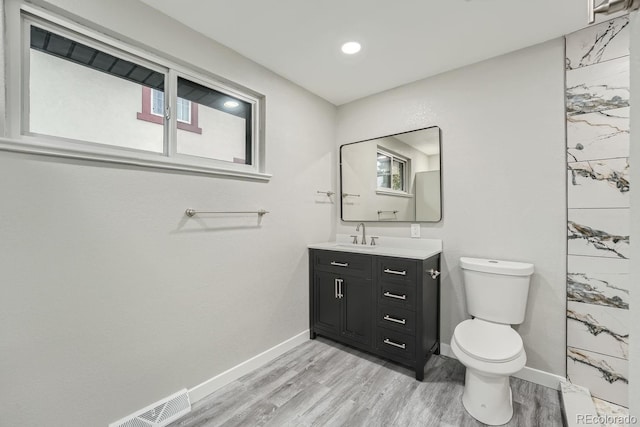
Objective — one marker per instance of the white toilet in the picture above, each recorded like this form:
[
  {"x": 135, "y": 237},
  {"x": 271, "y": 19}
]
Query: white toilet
[{"x": 496, "y": 293}]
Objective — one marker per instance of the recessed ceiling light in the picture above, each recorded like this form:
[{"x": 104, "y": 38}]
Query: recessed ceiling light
[
  {"x": 351, "y": 47},
  {"x": 231, "y": 104}
]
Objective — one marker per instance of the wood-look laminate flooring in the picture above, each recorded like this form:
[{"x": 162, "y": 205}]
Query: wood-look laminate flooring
[{"x": 323, "y": 383}]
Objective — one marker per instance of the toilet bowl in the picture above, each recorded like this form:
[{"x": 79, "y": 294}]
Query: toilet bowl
[
  {"x": 486, "y": 345},
  {"x": 491, "y": 353}
]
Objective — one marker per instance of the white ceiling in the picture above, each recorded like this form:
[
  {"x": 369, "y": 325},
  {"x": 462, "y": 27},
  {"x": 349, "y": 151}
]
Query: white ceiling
[{"x": 402, "y": 40}]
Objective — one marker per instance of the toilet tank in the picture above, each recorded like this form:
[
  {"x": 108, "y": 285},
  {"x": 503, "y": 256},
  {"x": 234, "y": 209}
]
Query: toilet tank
[{"x": 496, "y": 290}]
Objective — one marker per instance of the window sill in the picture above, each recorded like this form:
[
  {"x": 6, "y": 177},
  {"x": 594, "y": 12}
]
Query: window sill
[
  {"x": 394, "y": 193},
  {"x": 141, "y": 159}
]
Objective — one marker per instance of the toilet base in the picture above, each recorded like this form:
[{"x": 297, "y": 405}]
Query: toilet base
[{"x": 487, "y": 398}]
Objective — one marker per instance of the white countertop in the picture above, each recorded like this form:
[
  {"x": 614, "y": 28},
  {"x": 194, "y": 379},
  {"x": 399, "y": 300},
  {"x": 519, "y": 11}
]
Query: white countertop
[{"x": 387, "y": 246}]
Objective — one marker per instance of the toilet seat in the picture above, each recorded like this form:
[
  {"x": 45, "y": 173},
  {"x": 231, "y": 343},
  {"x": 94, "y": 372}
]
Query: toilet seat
[{"x": 487, "y": 341}]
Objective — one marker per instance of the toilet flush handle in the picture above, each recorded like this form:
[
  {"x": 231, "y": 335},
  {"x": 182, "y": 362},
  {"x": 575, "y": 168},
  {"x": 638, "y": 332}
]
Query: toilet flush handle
[{"x": 434, "y": 273}]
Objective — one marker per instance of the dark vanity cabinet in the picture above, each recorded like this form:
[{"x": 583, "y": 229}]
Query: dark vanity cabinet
[
  {"x": 342, "y": 297},
  {"x": 384, "y": 305}
]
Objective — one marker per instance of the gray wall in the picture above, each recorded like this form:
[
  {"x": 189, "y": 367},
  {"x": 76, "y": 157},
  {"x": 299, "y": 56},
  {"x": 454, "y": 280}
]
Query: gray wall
[
  {"x": 111, "y": 297},
  {"x": 503, "y": 164},
  {"x": 634, "y": 307}
]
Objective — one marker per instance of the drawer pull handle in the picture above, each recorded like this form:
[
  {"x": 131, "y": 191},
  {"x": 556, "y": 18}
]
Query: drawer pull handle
[
  {"x": 390, "y": 295},
  {"x": 393, "y": 319},
  {"x": 340, "y": 264},
  {"x": 395, "y": 344},
  {"x": 399, "y": 273}
]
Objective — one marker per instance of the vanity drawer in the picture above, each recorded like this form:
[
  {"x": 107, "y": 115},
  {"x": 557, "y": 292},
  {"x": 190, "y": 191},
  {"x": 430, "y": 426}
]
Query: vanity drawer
[
  {"x": 398, "y": 319},
  {"x": 395, "y": 295},
  {"x": 343, "y": 262},
  {"x": 396, "y": 345},
  {"x": 396, "y": 270}
]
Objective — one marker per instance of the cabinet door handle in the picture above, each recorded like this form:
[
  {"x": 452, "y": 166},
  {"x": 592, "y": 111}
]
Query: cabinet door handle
[
  {"x": 393, "y": 319},
  {"x": 340, "y": 264},
  {"x": 399, "y": 273},
  {"x": 395, "y": 344},
  {"x": 390, "y": 295},
  {"x": 340, "y": 295},
  {"x": 434, "y": 273},
  {"x": 335, "y": 288}
]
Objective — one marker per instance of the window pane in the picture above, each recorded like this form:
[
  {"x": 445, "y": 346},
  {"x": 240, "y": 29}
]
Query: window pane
[
  {"x": 184, "y": 110},
  {"x": 384, "y": 171},
  {"x": 157, "y": 102},
  {"x": 397, "y": 181},
  {"x": 220, "y": 125},
  {"x": 82, "y": 93}
]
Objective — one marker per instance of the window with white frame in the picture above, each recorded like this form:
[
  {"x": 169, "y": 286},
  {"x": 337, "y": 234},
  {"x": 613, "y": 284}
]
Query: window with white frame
[
  {"x": 391, "y": 172},
  {"x": 183, "y": 110},
  {"x": 81, "y": 97},
  {"x": 157, "y": 102}
]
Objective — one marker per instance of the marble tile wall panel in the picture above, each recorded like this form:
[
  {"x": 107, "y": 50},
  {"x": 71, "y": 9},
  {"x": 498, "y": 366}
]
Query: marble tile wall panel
[
  {"x": 598, "y": 184},
  {"x": 601, "y": 135},
  {"x": 598, "y": 232},
  {"x": 598, "y": 281},
  {"x": 598, "y": 189},
  {"x": 598, "y": 328},
  {"x": 598, "y": 43},
  {"x": 605, "y": 376},
  {"x": 599, "y": 87}
]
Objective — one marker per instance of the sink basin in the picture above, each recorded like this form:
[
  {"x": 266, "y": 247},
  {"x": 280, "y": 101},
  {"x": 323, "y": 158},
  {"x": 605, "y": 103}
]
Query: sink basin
[{"x": 354, "y": 246}]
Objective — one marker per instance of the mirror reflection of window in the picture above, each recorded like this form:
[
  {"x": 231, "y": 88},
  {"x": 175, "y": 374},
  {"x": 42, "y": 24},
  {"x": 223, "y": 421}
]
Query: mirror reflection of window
[
  {"x": 384, "y": 171},
  {"x": 397, "y": 181},
  {"x": 391, "y": 172}
]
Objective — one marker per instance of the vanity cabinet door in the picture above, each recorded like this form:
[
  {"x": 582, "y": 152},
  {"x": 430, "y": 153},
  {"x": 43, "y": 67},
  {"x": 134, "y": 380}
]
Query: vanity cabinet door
[
  {"x": 357, "y": 309},
  {"x": 327, "y": 303}
]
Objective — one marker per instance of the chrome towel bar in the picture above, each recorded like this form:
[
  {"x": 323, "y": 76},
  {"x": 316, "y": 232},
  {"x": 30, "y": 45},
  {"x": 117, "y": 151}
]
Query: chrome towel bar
[
  {"x": 192, "y": 212},
  {"x": 607, "y": 7}
]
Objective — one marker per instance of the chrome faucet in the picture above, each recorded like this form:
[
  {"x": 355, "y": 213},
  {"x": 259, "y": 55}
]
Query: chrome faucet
[{"x": 364, "y": 236}]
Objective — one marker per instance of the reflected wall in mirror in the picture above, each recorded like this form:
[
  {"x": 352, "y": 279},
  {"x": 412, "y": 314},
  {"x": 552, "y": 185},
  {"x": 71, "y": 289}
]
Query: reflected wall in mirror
[{"x": 392, "y": 178}]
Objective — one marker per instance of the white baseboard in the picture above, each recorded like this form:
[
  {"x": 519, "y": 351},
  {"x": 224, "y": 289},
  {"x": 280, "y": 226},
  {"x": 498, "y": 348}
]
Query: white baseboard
[
  {"x": 230, "y": 375},
  {"x": 543, "y": 378},
  {"x": 533, "y": 375}
]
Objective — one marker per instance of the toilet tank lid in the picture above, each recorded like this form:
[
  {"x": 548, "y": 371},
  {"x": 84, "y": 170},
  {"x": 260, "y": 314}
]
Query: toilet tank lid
[{"x": 510, "y": 268}]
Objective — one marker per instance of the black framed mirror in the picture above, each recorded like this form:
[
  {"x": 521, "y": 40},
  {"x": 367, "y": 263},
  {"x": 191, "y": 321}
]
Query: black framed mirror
[{"x": 394, "y": 178}]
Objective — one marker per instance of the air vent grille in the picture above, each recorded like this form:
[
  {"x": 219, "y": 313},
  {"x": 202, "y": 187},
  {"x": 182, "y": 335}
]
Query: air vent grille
[
  {"x": 176, "y": 406},
  {"x": 135, "y": 422},
  {"x": 158, "y": 414}
]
